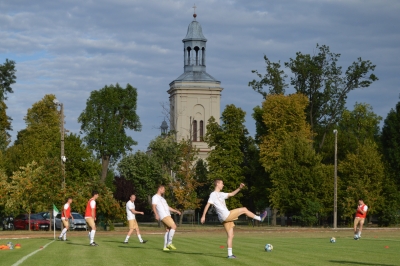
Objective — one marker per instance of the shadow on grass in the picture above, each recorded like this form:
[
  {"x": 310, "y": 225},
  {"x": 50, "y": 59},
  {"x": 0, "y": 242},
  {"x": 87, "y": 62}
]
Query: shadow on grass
[
  {"x": 194, "y": 253},
  {"x": 359, "y": 263}
]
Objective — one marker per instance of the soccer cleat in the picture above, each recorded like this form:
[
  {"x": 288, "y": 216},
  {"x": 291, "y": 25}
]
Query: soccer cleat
[
  {"x": 143, "y": 242},
  {"x": 60, "y": 238},
  {"x": 165, "y": 249},
  {"x": 232, "y": 257},
  {"x": 125, "y": 242},
  {"x": 263, "y": 215},
  {"x": 93, "y": 244},
  {"x": 171, "y": 246}
]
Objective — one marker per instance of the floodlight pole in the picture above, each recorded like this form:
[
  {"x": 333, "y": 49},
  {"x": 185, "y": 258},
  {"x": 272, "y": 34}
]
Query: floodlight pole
[
  {"x": 335, "y": 185},
  {"x": 62, "y": 144}
]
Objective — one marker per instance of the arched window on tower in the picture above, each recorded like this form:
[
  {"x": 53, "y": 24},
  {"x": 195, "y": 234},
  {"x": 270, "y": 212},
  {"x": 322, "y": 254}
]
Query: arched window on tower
[
  {"x": 194, "y": 130},
  {"x": 197, "y": 55},
  {"x": 203, "y": 56},
  {"x": 201, "y": 130},
  {"x": 188, "y": 55}
]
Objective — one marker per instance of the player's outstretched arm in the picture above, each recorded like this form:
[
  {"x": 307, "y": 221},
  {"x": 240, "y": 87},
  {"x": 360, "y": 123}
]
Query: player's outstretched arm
[
  {"x": 233, "y": 193},
  {"x": 173, "y": 210},
  {"x": 203, "y": 218}
]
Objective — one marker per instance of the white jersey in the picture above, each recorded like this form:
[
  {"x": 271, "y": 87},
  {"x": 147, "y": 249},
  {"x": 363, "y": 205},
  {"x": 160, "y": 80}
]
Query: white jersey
[
  {"x": 129, "y": 206},
  {"x": 162, "y": 206},
  {"x": 218, "y": 200}
]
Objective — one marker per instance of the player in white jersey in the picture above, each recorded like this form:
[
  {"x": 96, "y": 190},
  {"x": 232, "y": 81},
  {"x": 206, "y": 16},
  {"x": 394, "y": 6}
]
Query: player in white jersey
[
  {"x": 162, "y": 213},
  {"x": 226, "y": 217},
  {"x": 133, "y": 225}
]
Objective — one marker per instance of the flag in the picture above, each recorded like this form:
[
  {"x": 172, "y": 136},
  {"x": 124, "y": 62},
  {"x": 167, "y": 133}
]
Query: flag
[{"x": 55, "y": 210}]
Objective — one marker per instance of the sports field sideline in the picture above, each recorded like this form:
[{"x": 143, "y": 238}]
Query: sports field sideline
[{"x": 201, "y": 245}]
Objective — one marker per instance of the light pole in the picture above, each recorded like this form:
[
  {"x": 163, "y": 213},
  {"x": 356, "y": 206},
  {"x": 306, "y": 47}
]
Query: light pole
[
  {"x": 335, "y": 185},
  {"x": 63, "y": 158}
]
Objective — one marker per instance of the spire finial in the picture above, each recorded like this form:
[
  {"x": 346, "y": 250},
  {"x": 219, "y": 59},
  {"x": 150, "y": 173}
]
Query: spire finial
[{"x": 194, "y": 11}]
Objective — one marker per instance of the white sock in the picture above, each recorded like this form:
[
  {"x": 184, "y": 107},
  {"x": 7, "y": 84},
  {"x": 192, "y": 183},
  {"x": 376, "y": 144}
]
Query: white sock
[
  {"x": 63, "y": 232},
  {"x": 166, "y": 239},
  {"x": 256, "y": 217},
  {"x": 230, "y": 252},
  {"x": 127, "y": 238},
  {"x": 140, "y": 238},
  {"x": 171, "y": 235},
  {"x": 92, "y": 233},
  {"x": 359, "y": 234}
]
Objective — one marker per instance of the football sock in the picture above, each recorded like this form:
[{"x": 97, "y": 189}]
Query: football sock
[
  {"x": 92, "y": 233},
  {"x": 256, "y": 217},
  {"x": 140, "y": 238},
  {"x": 126, "y": 239},
  {"x": 166, "y": 239},
  {"x": 359, "y": 234},
  {"x": 63, "y": 232},
  {"x": 171, "y": 235},
  {"x": 65, "y": 236},
  {"x": 230, "y": 252}
]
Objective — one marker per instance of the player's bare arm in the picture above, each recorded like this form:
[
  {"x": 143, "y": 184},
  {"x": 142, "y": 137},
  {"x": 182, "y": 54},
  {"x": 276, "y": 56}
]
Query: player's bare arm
[
  {"x": 173, "y": 210},
  {"x": 233, "y": 193},
  {"x": 154, "y": 206},
  {"x": 136, "y": 212},
  {"x": 203, "y": 218}
]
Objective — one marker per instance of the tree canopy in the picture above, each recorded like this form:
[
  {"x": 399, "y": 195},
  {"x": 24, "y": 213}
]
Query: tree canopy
[{"x": 108, "y": 114}]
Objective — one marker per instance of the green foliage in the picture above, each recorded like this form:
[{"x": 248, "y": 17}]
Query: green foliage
[
  {"x": 322, "y": 81},
  {"x": 144, "y": 170},
  {"x": 274, "y": 79},
  {"x": 361, "y": 176},
  {"x": 390, "y": 140},
  {"x": 300, "y": 181},
  {"x": 108, "y": 113},
  {"x": 7, "y": 78},
  {"x": 283, "y": 116},
  {"x": 38, "y": 140},
  {"x": 5, "y": 125},
  {"x": 225, "y": 160},
  {"x": 308, "y": 214}
]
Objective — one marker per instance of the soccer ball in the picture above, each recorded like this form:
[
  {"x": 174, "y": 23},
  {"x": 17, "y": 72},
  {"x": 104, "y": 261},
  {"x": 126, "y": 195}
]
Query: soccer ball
[
  {"x": 333, "y": 240},
  {"x": 269, "y": 247},
  {"x": 356, "y": 237}
]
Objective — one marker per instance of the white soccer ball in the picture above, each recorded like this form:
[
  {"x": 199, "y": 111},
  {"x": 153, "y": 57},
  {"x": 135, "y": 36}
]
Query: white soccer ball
[
  {"x": 269, "y": 247},
  {"x": 356, "y": 237},
  {"x": 333, "y": 240}
]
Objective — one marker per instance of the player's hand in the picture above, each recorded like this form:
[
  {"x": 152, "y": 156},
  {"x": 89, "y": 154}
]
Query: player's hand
[
  {"x": 157, "y": 218},
  {"x": 242, "y": 185},
  {"x": 142, "y": 213},
  {"x": 202, "y": 220},
  {"x": 178, "y": 212}
]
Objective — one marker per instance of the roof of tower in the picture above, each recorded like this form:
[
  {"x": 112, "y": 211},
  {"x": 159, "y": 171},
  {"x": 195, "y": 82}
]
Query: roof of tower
[
  {"x": 194, "y": 32},
  {"x": 196, "y": 76}
]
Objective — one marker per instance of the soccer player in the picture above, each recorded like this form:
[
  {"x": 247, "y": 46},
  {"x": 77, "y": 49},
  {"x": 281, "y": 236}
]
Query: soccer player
[
  {"x": 226, "y": 217},
  {"x": 162, "y": 213},
  {"x": 361, "y": 214},
  {"x": 65, "y": 215},
  {"x": 90, "y": 217},
  {"x": 130, "y": 213}
]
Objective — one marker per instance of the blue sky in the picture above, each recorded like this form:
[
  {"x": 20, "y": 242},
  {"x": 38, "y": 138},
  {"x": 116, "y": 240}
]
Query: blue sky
[{"x": 70, "y": 48}]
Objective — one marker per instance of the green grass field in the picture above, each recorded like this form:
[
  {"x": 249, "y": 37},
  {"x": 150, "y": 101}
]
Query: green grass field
[{"x": 196, "y": 246}]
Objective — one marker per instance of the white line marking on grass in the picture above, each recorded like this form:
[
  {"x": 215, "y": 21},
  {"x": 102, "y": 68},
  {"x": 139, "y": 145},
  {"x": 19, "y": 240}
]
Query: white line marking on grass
[{"x": 31, "y": 254}]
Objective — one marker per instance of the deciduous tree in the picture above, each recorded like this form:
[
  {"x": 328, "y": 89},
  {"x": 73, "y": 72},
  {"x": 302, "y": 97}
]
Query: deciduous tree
[{"x": 108, "y": 114}]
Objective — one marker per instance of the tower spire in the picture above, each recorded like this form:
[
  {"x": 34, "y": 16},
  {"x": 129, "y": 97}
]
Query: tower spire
[{"x": 194, "y": 11}]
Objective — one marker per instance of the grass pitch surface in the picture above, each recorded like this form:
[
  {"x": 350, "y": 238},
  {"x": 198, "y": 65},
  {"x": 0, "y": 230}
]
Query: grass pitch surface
[{"x": 207, "y": 246}]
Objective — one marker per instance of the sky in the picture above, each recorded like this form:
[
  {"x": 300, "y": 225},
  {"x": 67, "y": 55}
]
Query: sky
[{"x": 70, "y": 48}]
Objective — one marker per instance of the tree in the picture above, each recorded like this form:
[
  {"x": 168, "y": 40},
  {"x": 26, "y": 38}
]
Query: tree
[
  {"x": 108, "y": 113},
  {"x": 39, "y": 139},
  {"x": 274, "y": 79},
  {"x": 300, "y": 183},
  {"x": 322, "y": 81},
  {"x": 355, "y": 127},
  {"x": 5, "y": 125},
  {"x": 283, "y": 116},
  {"x": 143, "y": 171},
  {"x": 226, "y": 157},
  {"x": 361, "y": 176},
  {"x": 390, "y": 140},
  {"x": 7, "y": 78},
  {"x": 184, "y": 184}
]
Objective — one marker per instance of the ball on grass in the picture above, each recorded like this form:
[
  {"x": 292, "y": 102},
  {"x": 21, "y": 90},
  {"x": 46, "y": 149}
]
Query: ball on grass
[
  {"x": 333, "y": 240},
  {"x": 268, "y": 247}
]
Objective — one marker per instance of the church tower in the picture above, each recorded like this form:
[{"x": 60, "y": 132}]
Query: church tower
[{"x": 195, "y": 95}]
